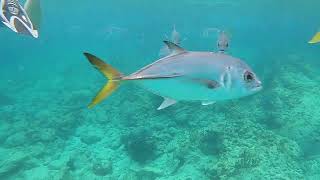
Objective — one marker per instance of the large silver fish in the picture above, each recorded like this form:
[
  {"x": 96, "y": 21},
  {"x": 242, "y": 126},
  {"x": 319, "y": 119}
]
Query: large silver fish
[
  {"x": 23, "y": 20},
  {"x": 186, "y": 76}
]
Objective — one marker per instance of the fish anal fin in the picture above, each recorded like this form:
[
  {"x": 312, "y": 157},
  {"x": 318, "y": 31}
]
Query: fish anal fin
[
  {"x": 166, "y": 103},
  {"x": 206, "y": 103},
  {"x": 174, "y": 48}
]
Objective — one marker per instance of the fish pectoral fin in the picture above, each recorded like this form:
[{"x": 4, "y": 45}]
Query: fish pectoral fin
[
  {"x": 174, "y": 49},
  {"x": 209, "y": 83},
  {"x": 166, "y": 103},
  {"x": 206, "y": 103}
]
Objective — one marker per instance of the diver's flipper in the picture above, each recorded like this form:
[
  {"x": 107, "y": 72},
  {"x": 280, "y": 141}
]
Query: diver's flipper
[
  {"x": 166, "y": 103},
  {"x": 315, "y": 39},
  {"x": 206, "y": 103},
  {"x": 16, "y": 18},
  {"x": 33, "y": 10}
]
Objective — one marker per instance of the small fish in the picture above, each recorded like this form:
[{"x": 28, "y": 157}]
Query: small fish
[
  {"x": 175, "y": 38},
  {"x": 223, "y": 42},
  {"x": 185, "y": 76},
  {"x": 315, "y": 38},
  {"x": 23, "y": 20}
]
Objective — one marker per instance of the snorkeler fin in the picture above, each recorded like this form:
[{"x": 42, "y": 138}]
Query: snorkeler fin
[
  {"x": 110, "y": 73},
  {"x": 33, "y": 9},
  {"x": 14, "y": 16},
  {"x": 315, "y": 39}
]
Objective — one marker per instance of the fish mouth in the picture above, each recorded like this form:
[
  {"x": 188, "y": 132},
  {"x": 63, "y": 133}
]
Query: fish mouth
[{"x": 257, "y": 88}]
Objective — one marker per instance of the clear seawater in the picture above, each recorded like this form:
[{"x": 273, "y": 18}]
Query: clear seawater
[{"x": 46, "y": 131}]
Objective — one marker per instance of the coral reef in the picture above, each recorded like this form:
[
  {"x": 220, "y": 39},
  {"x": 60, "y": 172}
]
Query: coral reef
[
  {"x": 102, "y": 168},
  {"x": 271, "y": 135},
  {"x": 211, "y": 143},
  {"x": 140, "y": 145}
]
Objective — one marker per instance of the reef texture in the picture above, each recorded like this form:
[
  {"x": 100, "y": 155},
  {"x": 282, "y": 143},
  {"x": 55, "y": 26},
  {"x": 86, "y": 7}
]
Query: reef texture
[{"x": 47, "y": 133}]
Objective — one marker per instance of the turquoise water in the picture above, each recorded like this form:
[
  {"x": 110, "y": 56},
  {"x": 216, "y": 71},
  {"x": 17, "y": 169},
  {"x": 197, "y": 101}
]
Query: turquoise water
[{"x": 46, "y": 131}]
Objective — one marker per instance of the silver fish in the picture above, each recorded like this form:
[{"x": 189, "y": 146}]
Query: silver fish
[
  {"x": 223, "y": 42},
  {"x": 223, "y": 38},
  {"x": 186, "y": 76},
  {"x": 175, "y": 36},
  {"x": 23, "y": 20}
]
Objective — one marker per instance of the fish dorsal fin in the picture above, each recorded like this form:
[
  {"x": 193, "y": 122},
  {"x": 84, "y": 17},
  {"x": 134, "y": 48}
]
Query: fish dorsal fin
[
  {"x": 175, "y": 49},
  {"x": 166, "y": 103}
]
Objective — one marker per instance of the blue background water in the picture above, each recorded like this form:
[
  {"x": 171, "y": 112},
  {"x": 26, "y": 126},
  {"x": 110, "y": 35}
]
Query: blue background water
[{"x": 46, "y": 131}]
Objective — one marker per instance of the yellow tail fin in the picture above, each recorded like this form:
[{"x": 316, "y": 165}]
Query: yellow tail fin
[
  {"x": 315, "y": 39},
  {"x": 110, "y": 73}
]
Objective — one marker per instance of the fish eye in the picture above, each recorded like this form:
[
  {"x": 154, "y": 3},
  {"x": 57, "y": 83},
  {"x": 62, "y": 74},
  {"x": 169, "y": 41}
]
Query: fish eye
[{"x": 248, "y": 76}]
